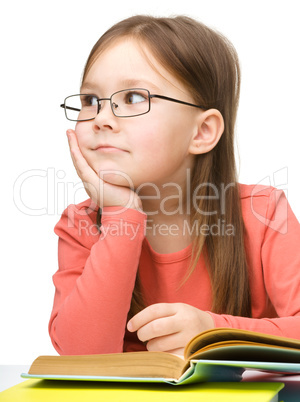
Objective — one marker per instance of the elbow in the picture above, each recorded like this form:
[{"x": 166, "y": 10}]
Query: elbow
[{"x": 68, "y": 342}]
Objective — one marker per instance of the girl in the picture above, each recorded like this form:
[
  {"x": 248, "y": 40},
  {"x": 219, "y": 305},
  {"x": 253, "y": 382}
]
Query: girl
[{"x": 168, "y": 243}]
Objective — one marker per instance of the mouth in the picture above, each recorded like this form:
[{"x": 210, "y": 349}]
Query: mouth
[{"x": 109, "y": 149}]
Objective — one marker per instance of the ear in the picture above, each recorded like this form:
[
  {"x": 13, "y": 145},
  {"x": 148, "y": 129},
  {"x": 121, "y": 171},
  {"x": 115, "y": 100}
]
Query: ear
[{"x": 210, "y": 127}]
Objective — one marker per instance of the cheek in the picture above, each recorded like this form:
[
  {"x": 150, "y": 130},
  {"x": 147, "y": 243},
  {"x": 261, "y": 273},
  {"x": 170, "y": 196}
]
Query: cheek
[
  {"x": 82, "y": 134},
  {"x": 160, "y": 142},
  {"x": 80, "y": 130},
  {"x": 159, "y": 152},
  {"x": 149, "y": 145}
]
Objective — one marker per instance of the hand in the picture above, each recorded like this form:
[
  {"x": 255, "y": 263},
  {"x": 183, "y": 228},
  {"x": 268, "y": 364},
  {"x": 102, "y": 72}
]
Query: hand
[
  {"x": 101, "y": 192},
  {"x": 168, "y": 327}
]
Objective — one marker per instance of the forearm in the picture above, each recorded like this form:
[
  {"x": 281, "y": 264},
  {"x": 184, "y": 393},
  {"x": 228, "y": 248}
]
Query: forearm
[
  {"x": 284, "y": 326},
  {"x": 274, "y": 261},
  {"x": 92, "y": 303}
]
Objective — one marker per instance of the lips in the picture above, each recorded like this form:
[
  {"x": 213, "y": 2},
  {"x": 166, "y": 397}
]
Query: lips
[{"x": 107, "y": 148}]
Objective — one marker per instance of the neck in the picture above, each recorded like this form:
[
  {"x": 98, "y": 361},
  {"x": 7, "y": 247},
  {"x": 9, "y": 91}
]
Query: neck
[
  {"x": 168, "y": 199},
  {"x": 168, "y": 210}
]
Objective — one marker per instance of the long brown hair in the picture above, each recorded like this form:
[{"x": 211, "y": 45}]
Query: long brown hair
[{"x": 207, "y": 64}]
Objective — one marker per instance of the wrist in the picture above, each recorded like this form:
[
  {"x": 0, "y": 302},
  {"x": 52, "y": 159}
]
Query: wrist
[
  {"x": 208, "y": 321},
  {"x": 136, "y": 204}
]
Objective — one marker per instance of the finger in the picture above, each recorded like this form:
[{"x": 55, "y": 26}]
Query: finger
[
  {"x": 79, "y": 161},
  {"x": 178, "y": 352},
  {"x": 159, "y": 327},
  {"x": 84, "y": 170},
  {"x": 166, "y": 343},
  {"x": 151, "y": 313},
  {"x": 88, "y": 176}
]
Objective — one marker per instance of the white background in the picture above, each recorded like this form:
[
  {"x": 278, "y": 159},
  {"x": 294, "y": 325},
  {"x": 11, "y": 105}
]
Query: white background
[{"x": 44, "y": 46}]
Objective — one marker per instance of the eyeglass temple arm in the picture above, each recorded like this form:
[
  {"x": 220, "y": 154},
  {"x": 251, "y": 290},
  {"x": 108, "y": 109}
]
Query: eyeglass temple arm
[
  {"x": 69, "y": 108},
  {"x": 177, "y": 101}
]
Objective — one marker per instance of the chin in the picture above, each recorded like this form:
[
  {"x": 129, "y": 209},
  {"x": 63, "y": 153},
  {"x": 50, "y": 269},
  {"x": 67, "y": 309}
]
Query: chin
[{"x": 117, "y": 178}]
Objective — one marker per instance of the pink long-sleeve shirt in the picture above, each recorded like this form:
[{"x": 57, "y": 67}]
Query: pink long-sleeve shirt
[{"x": 96, "y": 274}]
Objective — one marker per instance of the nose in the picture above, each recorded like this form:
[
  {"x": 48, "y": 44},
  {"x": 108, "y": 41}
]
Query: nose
[
  {"x": 101, "y": 103},
  {"x": 105, "y": 117}
]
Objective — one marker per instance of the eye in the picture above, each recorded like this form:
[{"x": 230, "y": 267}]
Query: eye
[
  {"x": 135, "y": 97},
  {"x": 89, "y": 100}
]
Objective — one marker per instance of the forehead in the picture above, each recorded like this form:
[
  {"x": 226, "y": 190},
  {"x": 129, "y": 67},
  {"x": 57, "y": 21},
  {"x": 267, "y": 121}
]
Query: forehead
[{"x": 129, "y": 63}]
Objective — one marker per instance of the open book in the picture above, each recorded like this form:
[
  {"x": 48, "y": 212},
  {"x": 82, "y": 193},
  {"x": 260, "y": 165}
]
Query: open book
[{"x": 219, "y": 354}]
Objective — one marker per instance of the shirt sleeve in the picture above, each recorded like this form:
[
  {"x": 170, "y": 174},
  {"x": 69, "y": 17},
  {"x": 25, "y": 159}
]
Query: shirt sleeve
[
  {"x": 280, "y": 265},
  {"x": 95, "y": 279}
]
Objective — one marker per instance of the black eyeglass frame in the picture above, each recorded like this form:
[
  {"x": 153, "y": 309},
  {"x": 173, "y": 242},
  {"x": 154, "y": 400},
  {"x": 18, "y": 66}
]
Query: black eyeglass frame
[{"x": 150, "y": 96}]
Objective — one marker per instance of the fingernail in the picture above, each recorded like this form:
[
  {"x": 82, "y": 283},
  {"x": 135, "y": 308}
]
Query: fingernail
[{"x": 129, "y": 326}]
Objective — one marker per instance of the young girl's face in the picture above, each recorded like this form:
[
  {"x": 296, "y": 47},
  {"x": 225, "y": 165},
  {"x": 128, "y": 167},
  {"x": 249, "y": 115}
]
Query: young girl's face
[{"x": 150, "y": 148}]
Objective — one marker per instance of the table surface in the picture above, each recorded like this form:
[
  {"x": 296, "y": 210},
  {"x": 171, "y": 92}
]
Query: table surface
[{"x": 10, "y": 376}]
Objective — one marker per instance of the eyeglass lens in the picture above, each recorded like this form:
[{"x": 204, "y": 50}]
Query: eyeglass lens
[{"x": 126, "y": 103}]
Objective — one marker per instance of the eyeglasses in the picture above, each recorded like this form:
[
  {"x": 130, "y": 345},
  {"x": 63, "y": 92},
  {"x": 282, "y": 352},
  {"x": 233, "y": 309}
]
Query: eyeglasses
[{"x": 126, "y": 103}]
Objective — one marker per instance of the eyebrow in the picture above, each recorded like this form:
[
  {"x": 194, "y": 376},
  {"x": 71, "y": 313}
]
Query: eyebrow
[
  {"x": 125, "y": 84},
  {"x": 139, "y": 83},
  {"x": 87, "y": 85}
]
